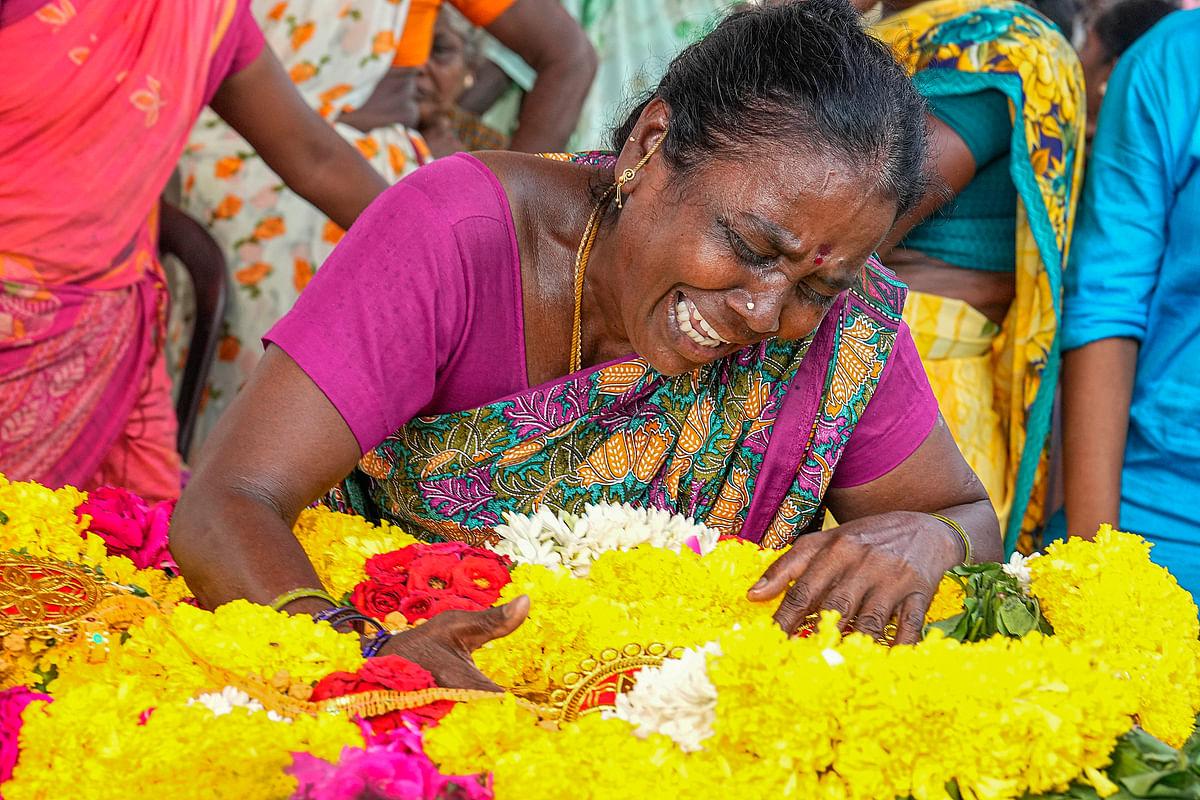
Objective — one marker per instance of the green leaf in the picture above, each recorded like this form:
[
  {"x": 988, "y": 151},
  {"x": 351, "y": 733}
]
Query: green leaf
[{"x": 1016, "y": 616}]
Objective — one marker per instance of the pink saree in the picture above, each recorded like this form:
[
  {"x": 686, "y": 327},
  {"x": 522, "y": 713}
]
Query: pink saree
[{"x": 104, "y": 97}]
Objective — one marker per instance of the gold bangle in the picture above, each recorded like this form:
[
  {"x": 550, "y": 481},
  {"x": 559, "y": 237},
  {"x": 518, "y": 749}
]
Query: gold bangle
[
  {"x": 296, "y": 594},
  {"x": 966, "y": 541}
]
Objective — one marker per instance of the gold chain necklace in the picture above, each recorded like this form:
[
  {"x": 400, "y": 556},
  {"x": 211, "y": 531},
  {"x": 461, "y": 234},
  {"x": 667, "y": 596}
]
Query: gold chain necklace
[
  {"x": 581, "y": 260},
  {"x": 585, "y": 250}
]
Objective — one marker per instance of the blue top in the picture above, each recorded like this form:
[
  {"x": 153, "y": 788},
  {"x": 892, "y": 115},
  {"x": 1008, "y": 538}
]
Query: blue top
[
  {"x": 1134, "y": 272},
  {"x": 978, "y": 229}
]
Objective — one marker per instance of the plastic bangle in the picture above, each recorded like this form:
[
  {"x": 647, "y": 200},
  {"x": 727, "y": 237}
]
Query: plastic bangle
[
  {"x": 376, "y": 644},
  {"x": 297, "y": 594},
  {"x": 954, "y": 526},
  {"x": 344, "y": 614}
]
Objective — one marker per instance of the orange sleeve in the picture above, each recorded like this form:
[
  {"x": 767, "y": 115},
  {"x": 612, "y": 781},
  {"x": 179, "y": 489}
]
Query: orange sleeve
[
  {"x": 482, "y": 12},
  {"x": 417, "y": 38}
]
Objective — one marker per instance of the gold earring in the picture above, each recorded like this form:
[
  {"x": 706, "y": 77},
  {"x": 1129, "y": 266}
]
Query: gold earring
[{"x": 630, "y": 172}]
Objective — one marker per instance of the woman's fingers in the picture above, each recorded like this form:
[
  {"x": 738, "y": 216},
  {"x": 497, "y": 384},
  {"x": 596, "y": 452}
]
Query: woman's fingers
[
  {"x": 910, "y": 619},
  {"x": 839, "y": 571},
  {"x": 444, "y": 644}
]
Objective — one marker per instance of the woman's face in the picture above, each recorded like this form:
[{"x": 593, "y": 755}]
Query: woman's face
[
  {"x": 444, "y": 76},
  {"x": 740, "y": 251}
]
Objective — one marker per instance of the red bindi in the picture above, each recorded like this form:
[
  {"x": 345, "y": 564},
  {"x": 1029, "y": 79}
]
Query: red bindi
[{"x": 821, "y": 253}]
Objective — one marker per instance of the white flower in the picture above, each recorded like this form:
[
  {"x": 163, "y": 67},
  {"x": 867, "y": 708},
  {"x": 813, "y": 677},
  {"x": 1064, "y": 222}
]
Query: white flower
[
  {"x": 556, "y": 538},
  {"x": 676, "y": 699},
  {"x": 229, "y": 698},
  {"x": 1018, "y": 567}
]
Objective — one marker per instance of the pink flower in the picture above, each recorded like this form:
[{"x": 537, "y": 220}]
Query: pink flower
[
  {"x": 12, "y": 703},
  {"x": 129, "y": 526},
  {"x": 393, "y": 766}
]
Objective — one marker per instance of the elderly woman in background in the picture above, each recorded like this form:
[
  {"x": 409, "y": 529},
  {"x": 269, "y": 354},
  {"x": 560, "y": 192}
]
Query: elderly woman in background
[
  {"x": 449, "y": 71},
  {"x": 356, "y": 62},
  {"x": 695, "y": 324},
  {"x": 985, "y": 271},
  {"x": 95, "y": 108}
]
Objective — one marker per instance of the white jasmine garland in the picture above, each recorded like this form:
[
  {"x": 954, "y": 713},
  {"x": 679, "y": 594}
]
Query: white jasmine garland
[
  {"x": 677, "y": 700},
  {"x": 556, "y": 538},
  {"x": 1018, "y": 567},
  {"x": 229, "y": 698}
]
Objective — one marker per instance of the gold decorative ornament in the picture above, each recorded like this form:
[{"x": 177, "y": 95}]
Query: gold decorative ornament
[
  {"x": 600, "y": 679},
  {"x": 43, "y": 597}
]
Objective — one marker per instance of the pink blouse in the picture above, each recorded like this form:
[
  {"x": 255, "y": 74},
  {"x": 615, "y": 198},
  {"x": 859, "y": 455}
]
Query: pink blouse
[{"x": 419, "y": 311}]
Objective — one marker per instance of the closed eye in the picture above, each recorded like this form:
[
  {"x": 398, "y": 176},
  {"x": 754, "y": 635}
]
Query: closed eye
[
  {"x": 822, "y": 300},
  {"x": 743, "y": 251}
]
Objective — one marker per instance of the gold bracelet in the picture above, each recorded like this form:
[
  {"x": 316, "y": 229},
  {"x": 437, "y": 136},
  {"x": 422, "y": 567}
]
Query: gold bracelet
[
  {"x": 966, "y": 541},
  {"x": 296, "y": 594}
]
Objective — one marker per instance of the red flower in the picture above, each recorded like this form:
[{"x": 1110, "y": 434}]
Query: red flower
[
  {"x": 454, "y": 603},
  {"x": 378, "y": 599},
  {"x": 479, "y": 579},
  {"x": 385, "y": 673},
  {"x": 392, "y": 567},
  {"x": 129, "y": 526},
  {"x": 418, "y": 605},
  {"x": 432, "y": 573}
]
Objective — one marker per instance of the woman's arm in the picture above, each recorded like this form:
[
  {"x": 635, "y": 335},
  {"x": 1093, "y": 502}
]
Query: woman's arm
[
  {"x": 953, "y": 167},
  {"x": 1097, "y": 391},
  {"x": 261, "y": 103},
  {"x": 550, "y": 41},
  {"x": 886, "y": 558},
  {"x": 280, "y": 445}
]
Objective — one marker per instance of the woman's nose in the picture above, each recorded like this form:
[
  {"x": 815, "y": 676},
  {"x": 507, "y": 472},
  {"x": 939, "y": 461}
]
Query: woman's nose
[{"x": 760, "y": 310}]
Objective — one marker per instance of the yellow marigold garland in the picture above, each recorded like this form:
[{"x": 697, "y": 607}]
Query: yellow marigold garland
[
  {"x": 642, "y": 595},
  {"x": 1108, "y": 596},
  {"x": 89, "y": 743},
  {"x": 339, "y": 544}
]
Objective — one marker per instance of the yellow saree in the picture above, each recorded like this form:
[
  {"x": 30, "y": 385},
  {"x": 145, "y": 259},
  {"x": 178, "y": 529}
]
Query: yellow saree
[{"x": 996, "y": 388}]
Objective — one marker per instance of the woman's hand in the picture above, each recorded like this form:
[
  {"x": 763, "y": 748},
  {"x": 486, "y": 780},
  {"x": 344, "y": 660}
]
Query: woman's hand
[
  {"x": 873, "y": 569},
  {"x": 887, "y": 557},
  {"x": 444, "y": 644}
]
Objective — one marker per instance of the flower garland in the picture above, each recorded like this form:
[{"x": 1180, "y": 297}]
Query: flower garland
[
  {"x": 138, "y": 685},
  {"x": 146, "y": 704},
  {"x": 418, "y": 581},
  {"x": 644, "y": 595},
  {"x": 1109, "y": 596},
  {"x": 559, "y": 539}
]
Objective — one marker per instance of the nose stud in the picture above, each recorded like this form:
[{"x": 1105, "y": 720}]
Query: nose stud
[{"x": 750, "y": 306}]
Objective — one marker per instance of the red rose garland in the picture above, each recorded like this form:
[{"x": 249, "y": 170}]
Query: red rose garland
[
  {"x": 385, "y": 673},
  {"x": 422, "y": 580}
]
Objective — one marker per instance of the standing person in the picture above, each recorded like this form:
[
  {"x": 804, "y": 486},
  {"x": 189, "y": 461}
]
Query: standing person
[
  {"x": 1131, "y": 436},
  {"x": 1006, "y": 99},
  {"x": 634, "y": 42},
  {"x": 95, "y": 108},
  {"x": 1108, "y": 37},
  {"x": 356, "y": 63}
]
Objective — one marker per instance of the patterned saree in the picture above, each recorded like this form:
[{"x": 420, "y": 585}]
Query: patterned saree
[
  {"x": 996, "y": 388},
  {"x": 747, "y": 444},
  {"x": 95, "y": 107}
]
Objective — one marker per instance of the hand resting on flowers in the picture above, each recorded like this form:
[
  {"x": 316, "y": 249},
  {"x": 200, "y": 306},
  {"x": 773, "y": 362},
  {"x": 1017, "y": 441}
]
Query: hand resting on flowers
[
  {"x": 444, "y": 644},
  {"x": 880, "y": 566}
]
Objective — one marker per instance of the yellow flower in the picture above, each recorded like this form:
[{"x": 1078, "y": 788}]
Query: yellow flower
[{"x": 1108, "y": 596}]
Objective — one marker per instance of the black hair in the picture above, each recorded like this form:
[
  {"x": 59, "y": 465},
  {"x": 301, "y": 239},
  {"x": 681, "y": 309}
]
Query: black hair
[
  {"x": 804, "y": 75},
  {"x": 1122, "y": 25}
]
